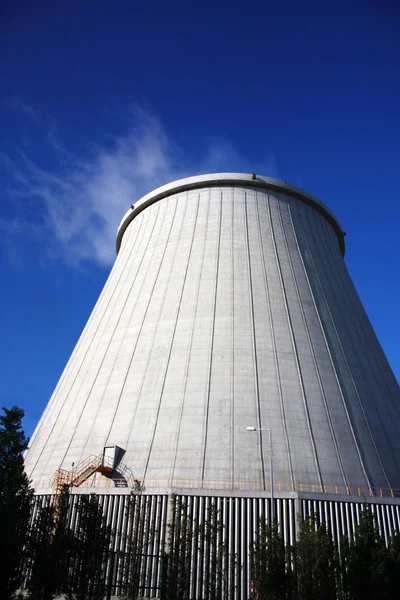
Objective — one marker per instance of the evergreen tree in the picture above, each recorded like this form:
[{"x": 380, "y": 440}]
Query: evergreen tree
[
  {"x": 38, "y": 553},
  {"x": 90, "y": 552},
  {"x": 199, "y": 548},
  {"x": 270, "y": 570},
  {"x": 327, "y": 565},
  {"x": 49, "y": 548},
  {"x": 219, "y": 563},
  {"x": 15, "y": 500},
  {"x": 369, "y": 561},
  {"x": 132, "y": 559},
  {"x": 181, "y": 536},
  {"x": 342, "y": 580},
  {"x": 315, "y": 562},
  {"x": 393, "y": 570}
]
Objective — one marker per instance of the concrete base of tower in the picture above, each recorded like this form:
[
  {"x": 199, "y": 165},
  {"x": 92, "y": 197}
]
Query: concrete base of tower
[{"x": 238, "y": 516}]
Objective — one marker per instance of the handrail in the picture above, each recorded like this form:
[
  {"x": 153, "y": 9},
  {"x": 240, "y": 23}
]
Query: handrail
[
  {"x": 83, "y": 472},
  {"x": 248, "y": 485}
]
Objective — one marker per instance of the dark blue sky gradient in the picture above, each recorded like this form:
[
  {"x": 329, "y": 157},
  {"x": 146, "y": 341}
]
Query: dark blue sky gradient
[{"x": 303, "y": 91}]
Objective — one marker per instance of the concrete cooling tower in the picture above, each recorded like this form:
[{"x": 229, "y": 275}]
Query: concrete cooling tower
[{"x": 229, "y": 307}]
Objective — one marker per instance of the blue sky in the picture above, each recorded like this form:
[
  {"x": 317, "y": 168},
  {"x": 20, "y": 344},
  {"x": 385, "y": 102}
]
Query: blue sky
[{"x": 101, "y": 102}]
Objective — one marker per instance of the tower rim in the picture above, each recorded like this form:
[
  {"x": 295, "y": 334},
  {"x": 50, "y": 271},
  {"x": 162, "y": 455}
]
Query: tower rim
[{"x": 249, "y": 180}]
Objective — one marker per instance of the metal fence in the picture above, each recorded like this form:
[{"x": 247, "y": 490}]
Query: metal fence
[{"x": 239, "y": 518}]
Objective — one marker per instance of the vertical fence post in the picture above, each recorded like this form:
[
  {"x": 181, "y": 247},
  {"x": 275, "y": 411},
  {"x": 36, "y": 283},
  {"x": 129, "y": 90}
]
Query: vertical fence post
[
  {"x": 110, "y": 575},
  {"x": 163, "y": 574}
]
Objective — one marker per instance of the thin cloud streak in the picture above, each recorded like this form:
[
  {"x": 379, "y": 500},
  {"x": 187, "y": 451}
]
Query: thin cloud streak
[{"x": 82, "y": 200}]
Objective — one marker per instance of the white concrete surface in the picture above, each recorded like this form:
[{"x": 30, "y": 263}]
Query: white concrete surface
[{"x": 228, "y": 305}]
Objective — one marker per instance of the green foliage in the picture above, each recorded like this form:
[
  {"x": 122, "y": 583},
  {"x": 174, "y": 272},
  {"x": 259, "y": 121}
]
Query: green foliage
[
  {"x": 90, "y": 551},
  {"x": 370, "y": 568},
  {"x": 15, "y": 500},
  {"x": 316, "y": 569},
  {"x": 67, "y": 554},
  {"x": 200, "y": 546},
  {"x": 181, "y": 536},
  {"x": 63, "y": 547},
  {"x": 49, "y": 547},
  {"x": 39, "y": 569},
  {"x": 393, "y": 570},
  {"x": 316, "y": 562},
  {"x": 132, "y": 559},
  {"x": 270, "y": 562},
  {"x": 219, "y": 563},
  {"x": 342, "y": 580}
]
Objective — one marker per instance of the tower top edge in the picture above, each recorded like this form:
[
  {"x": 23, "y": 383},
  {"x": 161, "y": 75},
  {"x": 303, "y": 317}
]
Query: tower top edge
[{"x": 250, "y": 180}]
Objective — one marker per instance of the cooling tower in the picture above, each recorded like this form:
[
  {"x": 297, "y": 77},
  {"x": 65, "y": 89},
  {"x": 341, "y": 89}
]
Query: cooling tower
[{"x": 229, "y": 306}]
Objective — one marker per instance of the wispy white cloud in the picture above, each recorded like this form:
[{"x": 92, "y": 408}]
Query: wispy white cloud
[
  {"x": 80, "y": 202},
  {"x": 33, "y": 114}
]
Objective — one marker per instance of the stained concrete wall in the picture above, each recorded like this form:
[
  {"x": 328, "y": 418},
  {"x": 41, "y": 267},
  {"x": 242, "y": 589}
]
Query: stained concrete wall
[{"x": 229, "y": 305}]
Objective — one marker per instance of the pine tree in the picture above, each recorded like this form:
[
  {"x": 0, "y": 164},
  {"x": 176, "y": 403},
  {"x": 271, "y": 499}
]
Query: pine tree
[
  {"x": 315, "y": 562},
  {"x": 38, "y": 553},
  {"x": 393, "y": 570},
  {"x": 200, "y": 548},
  {"x": 49, "y": 549},
  {"x": 271, "y": 572},
  {"x": 90, "y": 551},
  {"x": 368, "y": 561},
  {"x": 219, "y": 563},
  {"x": 342, "y": 580},
  {"x": 132, "y": 559},
  {"x": 181, "y": 536},
  {"x": 15, "y": 500},
  {"x": 327, "y": 565}
]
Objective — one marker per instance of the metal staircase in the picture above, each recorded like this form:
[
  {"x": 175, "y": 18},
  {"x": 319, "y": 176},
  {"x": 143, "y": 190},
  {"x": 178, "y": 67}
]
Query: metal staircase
[{"x": 84, "y": 470}]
